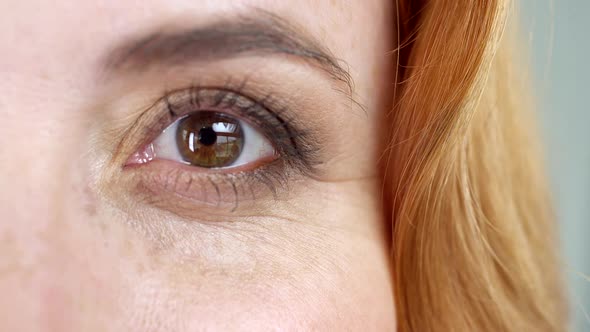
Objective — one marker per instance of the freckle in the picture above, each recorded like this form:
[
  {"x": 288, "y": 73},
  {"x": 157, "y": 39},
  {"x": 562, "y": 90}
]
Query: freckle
[
  {"x": 90, "y": 210},
  {"x": 140, "y": 268},
  {"x": 128, "y": 248}
]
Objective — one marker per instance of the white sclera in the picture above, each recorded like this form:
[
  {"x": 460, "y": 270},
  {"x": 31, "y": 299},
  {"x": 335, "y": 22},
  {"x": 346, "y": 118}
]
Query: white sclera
[{"x": 255, "y": 147}]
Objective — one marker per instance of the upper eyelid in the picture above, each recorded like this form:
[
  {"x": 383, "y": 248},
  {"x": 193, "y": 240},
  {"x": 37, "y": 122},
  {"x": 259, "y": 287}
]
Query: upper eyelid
[
  {"x": 177, "y": 103},
  {"x": 222, "y": 100}
]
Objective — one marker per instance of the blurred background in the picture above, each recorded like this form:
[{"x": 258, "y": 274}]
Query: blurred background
[{"x": 559, "y": 35}]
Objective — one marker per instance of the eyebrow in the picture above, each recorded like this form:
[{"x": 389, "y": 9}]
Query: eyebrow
[{"x": 261, "y": 34}]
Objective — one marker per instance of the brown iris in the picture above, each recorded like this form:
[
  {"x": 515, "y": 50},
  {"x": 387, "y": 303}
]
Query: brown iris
[{"x": 209, "y": 139}]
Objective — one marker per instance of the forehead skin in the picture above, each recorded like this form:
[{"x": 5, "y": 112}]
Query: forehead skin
[
  {"x": 65, "y": 267},
  {"x": 81, "y": 31}
]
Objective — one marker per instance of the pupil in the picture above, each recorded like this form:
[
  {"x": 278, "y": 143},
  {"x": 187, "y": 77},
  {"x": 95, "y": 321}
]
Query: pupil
[{"x": 207, "y": 136}]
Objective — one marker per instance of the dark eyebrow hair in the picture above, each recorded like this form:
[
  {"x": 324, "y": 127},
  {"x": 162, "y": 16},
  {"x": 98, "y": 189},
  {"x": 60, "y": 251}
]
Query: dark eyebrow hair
[{"x": 260, "y": 34}]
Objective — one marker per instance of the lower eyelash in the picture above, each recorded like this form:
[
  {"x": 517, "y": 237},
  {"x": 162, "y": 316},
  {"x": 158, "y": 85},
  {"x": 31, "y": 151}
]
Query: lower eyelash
[{"x": 178, "y": 189}]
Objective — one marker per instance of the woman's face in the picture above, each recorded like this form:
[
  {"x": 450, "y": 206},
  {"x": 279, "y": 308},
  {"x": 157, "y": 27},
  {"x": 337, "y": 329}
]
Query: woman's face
[{"x": 193, "y": 165}]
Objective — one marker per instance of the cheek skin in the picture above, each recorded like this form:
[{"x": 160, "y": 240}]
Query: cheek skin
[
  {"x": 56, "y": 270},
  {"x": 305, "y": 273},
  {"x": 84, "y": 269},
  {"x": 251, "y": 279}
]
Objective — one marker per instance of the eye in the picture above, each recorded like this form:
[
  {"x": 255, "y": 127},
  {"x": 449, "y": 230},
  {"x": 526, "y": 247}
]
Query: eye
[
  {"x": 215, "y": 147},
  {"x": 208, "y": 139}
]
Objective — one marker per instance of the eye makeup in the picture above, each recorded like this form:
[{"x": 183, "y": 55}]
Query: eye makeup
[{"x": 167, "y": 183}]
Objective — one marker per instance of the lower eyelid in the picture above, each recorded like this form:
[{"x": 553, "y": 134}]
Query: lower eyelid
[{"x": 173, "y": 186}]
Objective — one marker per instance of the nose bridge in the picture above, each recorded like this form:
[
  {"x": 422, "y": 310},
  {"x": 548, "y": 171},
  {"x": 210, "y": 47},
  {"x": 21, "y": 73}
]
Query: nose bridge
[
  {"x": 34, "y": 155},
  {"x": 51, "y": 255},
  {"x": 39, "y": 182}
]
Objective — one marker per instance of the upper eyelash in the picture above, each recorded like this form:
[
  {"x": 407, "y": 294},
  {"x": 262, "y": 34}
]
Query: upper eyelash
[{"x": 294, "y": 144}]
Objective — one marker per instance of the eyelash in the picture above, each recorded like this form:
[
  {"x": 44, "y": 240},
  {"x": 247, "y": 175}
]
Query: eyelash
[
  {"x": 295, "y": 147},
  {"x": 274, "y": 124}
]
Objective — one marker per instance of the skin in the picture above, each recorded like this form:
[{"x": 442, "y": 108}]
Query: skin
[{"x": 81, "y": 251}]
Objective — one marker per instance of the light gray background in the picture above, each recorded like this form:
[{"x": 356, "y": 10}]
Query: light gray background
[{"x": 559, "y": 36}]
